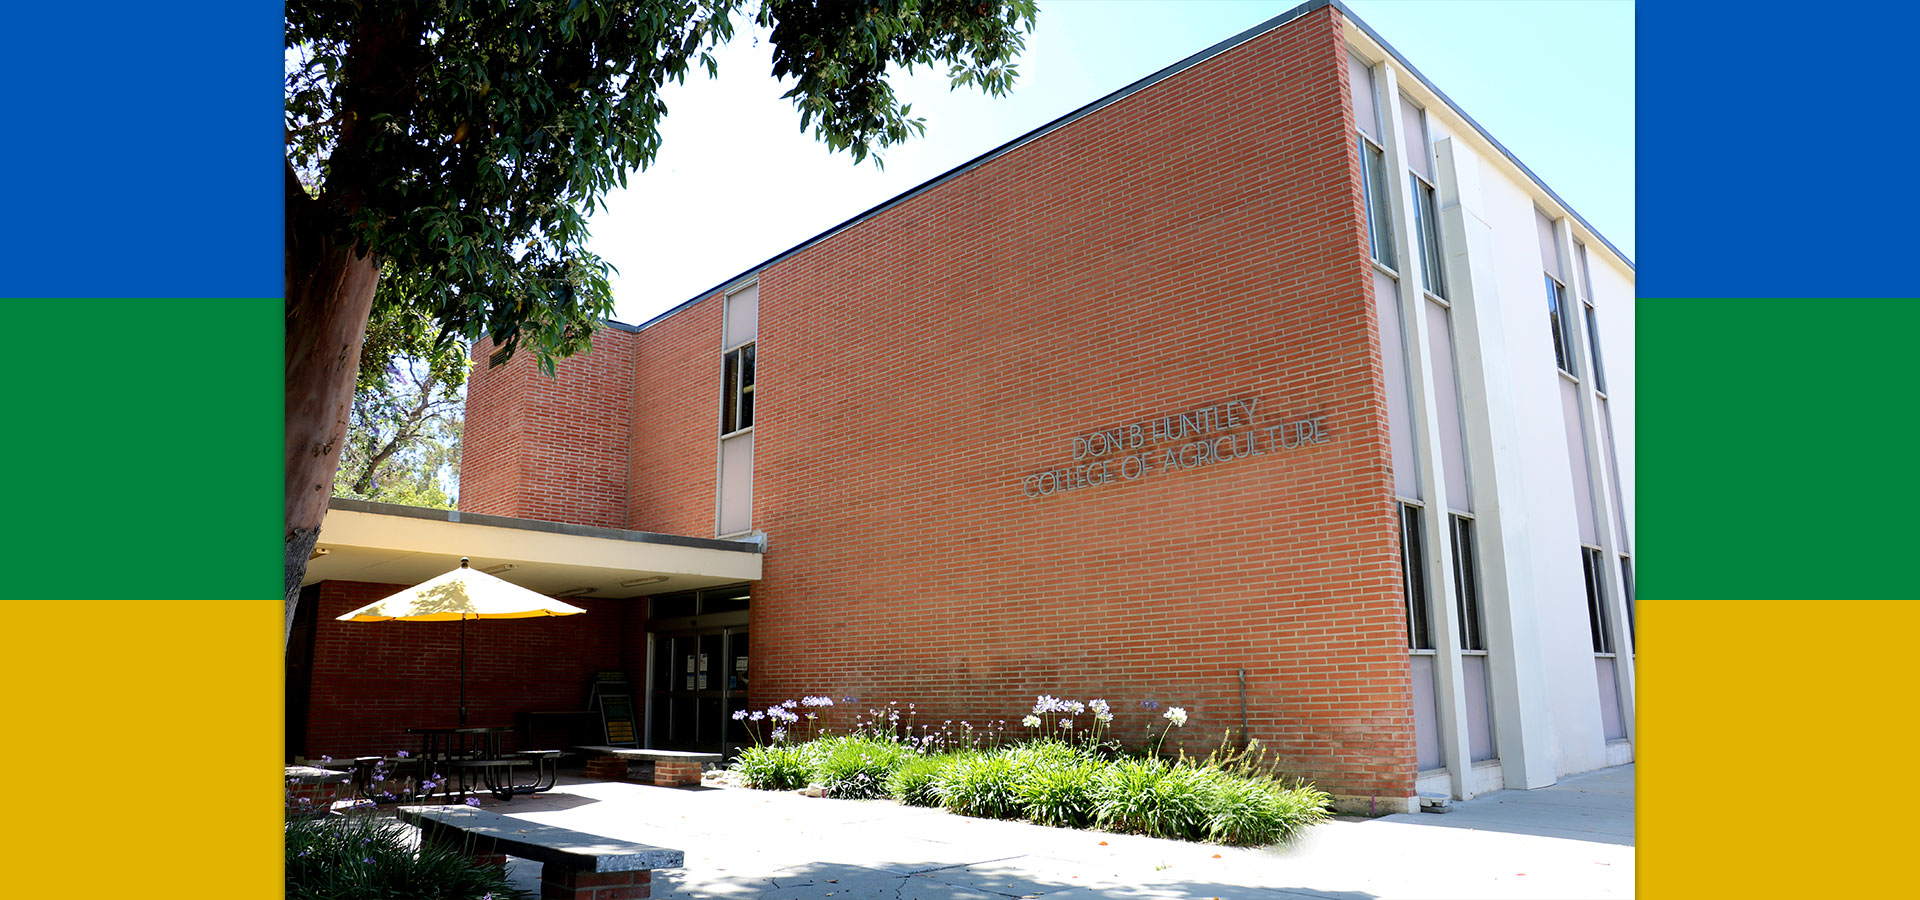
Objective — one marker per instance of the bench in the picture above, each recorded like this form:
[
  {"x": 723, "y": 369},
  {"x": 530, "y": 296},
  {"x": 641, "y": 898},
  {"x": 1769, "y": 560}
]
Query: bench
[
  {"x": 671, "y": 768},
  {"x": 311, "y": 790},
  {"x": 574, "y": 865}
]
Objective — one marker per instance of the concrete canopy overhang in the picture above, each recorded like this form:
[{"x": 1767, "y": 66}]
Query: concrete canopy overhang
[{"x": 392, "y": 544}]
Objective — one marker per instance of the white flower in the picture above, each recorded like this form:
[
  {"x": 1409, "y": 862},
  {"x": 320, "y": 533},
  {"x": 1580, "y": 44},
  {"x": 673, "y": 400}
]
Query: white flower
[
  {"x": 1066, "y": 724},
  {"x": 1101, "y": 712},
  {"x": 779, "y": 734},
  {"x": 1031, "y": 721},
  {"x": 1076, "y": 707},
  {"x": 1175, "y": 714}
]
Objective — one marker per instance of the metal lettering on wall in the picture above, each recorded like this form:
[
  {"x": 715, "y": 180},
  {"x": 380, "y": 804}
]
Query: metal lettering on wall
[{"x": 1207, "y": 436}]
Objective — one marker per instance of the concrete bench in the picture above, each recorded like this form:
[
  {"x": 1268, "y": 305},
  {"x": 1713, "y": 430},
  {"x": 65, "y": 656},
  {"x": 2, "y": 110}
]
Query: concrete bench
[
  {"x": 671, "y": 768},
  {"x": 574, "y": 865},
  {"x": 311, "y": 790}
]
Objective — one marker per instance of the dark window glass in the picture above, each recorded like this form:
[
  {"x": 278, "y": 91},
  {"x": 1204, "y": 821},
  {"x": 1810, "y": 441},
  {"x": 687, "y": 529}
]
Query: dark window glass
[
  {"x": 736, "y": 403},
  {"x": 1557, "y": 310},
  {"x": 672, "y": 606},
  {"x": 729, "y": 391},
  {"x": 1426, "y": 217},
  {"x": 1596, "y": 607},
  {"x": 1413, "y": 581},
  {"x": 1593, "y": 344},
  {"x": 731, "y": 599},
  {"x": 1466, "y": 583},
  {"x": 1626, "y": 586},
  {"x": 1373, "y": 183},
  {"x": 746, "y": 385}
]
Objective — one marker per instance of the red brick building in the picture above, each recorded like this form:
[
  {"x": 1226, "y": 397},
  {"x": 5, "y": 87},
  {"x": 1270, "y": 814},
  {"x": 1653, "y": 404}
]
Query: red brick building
[{"x": 1116, "y": 410}]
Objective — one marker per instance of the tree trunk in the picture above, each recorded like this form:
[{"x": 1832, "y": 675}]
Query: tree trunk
[{"x": 329, "y": 298}]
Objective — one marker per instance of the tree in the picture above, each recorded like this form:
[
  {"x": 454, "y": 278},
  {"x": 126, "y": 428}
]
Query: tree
[{"x": 458, "y": 146}]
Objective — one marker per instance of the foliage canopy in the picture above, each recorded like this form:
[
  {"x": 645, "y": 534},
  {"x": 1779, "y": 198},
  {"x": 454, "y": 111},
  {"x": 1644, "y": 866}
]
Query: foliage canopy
[{"x": 463, "y": 144}]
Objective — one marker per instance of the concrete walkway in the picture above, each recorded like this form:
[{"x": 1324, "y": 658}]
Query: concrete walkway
[{"x": 1574, "y": 839}]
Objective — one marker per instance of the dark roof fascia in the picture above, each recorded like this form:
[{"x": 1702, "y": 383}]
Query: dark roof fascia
[
  {"x": 1437, "y": 92},
  {"x": 1110, "y": 99},
  {"x": 617, "y": 534}
]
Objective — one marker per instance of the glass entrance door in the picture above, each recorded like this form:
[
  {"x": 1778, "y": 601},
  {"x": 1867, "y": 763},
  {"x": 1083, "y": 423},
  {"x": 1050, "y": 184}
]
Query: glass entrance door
[{"x": 699, "y": 672}]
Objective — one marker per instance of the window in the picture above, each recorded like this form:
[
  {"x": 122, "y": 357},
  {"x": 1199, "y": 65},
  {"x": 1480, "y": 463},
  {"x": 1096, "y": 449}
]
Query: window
[
  {"x": 1626, "y": 586},
  {"x": 1554, "y": 268},
  {"x": 739, "y": 330},
  {"x": 1426, "y": 218},
  {"x": 1413, "y": 581},
  {"x": 1373, "y": 181},
  {"x": 1593, "y": 344},
  {"x": 1557, "y": 310},
  {"x": 1466, "y": 583},
  {"x": 736, "y": 402},
  {"x": 1596, "y": 605}
]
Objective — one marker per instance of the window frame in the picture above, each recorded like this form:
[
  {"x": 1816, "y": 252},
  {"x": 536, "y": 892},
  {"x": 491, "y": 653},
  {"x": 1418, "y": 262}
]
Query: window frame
[
  {"x": 1599, "y": 627},
  {"x": 736, "y": 391},
  {"x": 1418, "y": 604}
]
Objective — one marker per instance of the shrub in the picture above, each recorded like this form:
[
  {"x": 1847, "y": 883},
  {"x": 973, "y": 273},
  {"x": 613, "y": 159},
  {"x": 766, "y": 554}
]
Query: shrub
[
  {"x": 856, "y": 768},
  {"x": 1147, "y": 796},
  {"x": 981, "y": 784},
  {"x": 1059, "y": 792},
  {"x": 363, "y": 858},
  {"x": 1251, "y": 812},
  {"x": 775, "y": 767},
  {"x": 916, "y": 781}
]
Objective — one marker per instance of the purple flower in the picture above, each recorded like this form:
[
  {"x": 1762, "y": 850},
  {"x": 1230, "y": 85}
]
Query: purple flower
[
  {"x": 402, "y": 754},
  {"x": 739, "y": 715},
  {"x": 473, "y": 802}
]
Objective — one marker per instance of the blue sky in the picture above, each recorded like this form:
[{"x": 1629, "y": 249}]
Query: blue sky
[{"x": 736, "y": 181}]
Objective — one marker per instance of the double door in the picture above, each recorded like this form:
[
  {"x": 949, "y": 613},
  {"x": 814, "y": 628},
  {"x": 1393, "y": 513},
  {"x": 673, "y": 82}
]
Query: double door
[{"x": 699, "y": 679}]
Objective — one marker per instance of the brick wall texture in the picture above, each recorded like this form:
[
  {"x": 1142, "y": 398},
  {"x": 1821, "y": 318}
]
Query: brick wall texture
[
  {"x": 1197, "y": 242},
  {"x": 373, "y": 680}
]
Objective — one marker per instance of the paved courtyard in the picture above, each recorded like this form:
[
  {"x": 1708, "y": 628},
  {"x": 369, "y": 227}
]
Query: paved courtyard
[{"x": 1574, "y": 839}]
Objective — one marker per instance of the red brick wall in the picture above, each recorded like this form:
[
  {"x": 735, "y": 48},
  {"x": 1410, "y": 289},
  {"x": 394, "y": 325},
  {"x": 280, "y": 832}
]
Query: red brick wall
[
  {"x": 1200, "y": 240},
  {"x": 555, "y": 448},
  {"x": 676, "y": 428},
  {"x": 371, "y": 680}
]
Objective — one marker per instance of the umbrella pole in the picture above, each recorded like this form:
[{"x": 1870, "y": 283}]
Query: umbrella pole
[{"x": 463, "y": 671}]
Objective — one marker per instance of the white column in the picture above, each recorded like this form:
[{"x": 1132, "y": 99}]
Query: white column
[
  {"x": 1449, "y": 681},
  {"x": 1516, "y": 663}
]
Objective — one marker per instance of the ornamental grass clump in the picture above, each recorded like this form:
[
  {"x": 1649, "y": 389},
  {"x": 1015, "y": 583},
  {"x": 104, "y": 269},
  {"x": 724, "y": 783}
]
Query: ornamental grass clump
[
  {"x": 916, "y": 781},
  {"x": 775, "y": 767},
  {"x": 367, "y": 858},
  {"x": 856, "y": 768},
  {"x": 1057, "y": 789},
  {"x": 985, "y": 785},
  {"x": 1248, "y": 812},
  {"x": 1150, "y": 797}
]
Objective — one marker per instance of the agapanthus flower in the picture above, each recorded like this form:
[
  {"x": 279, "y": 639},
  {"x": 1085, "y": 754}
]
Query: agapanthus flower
[
  {"x": 1101, "y": 712},
  {"x": 1031, "y": 721},
  {"x": 402, "y": 754},
  {"x": 789, "y": 703},
  {"x": 739, "y": 714},
  {"x": 756, "y": 716},
  {"x": 1149, "y": 705},
  {"x": 1076, "y": 707},
  {"x": 1176, "y": 715},
  {"x": 779, "y": 734},
  {"x": 1066, "y": 724},
  {"x": 473, "y": 802}
]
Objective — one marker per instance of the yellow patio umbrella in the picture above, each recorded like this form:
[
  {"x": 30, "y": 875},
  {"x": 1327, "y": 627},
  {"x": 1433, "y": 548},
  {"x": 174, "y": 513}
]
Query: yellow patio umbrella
[{"x": 464, "y": 593}]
